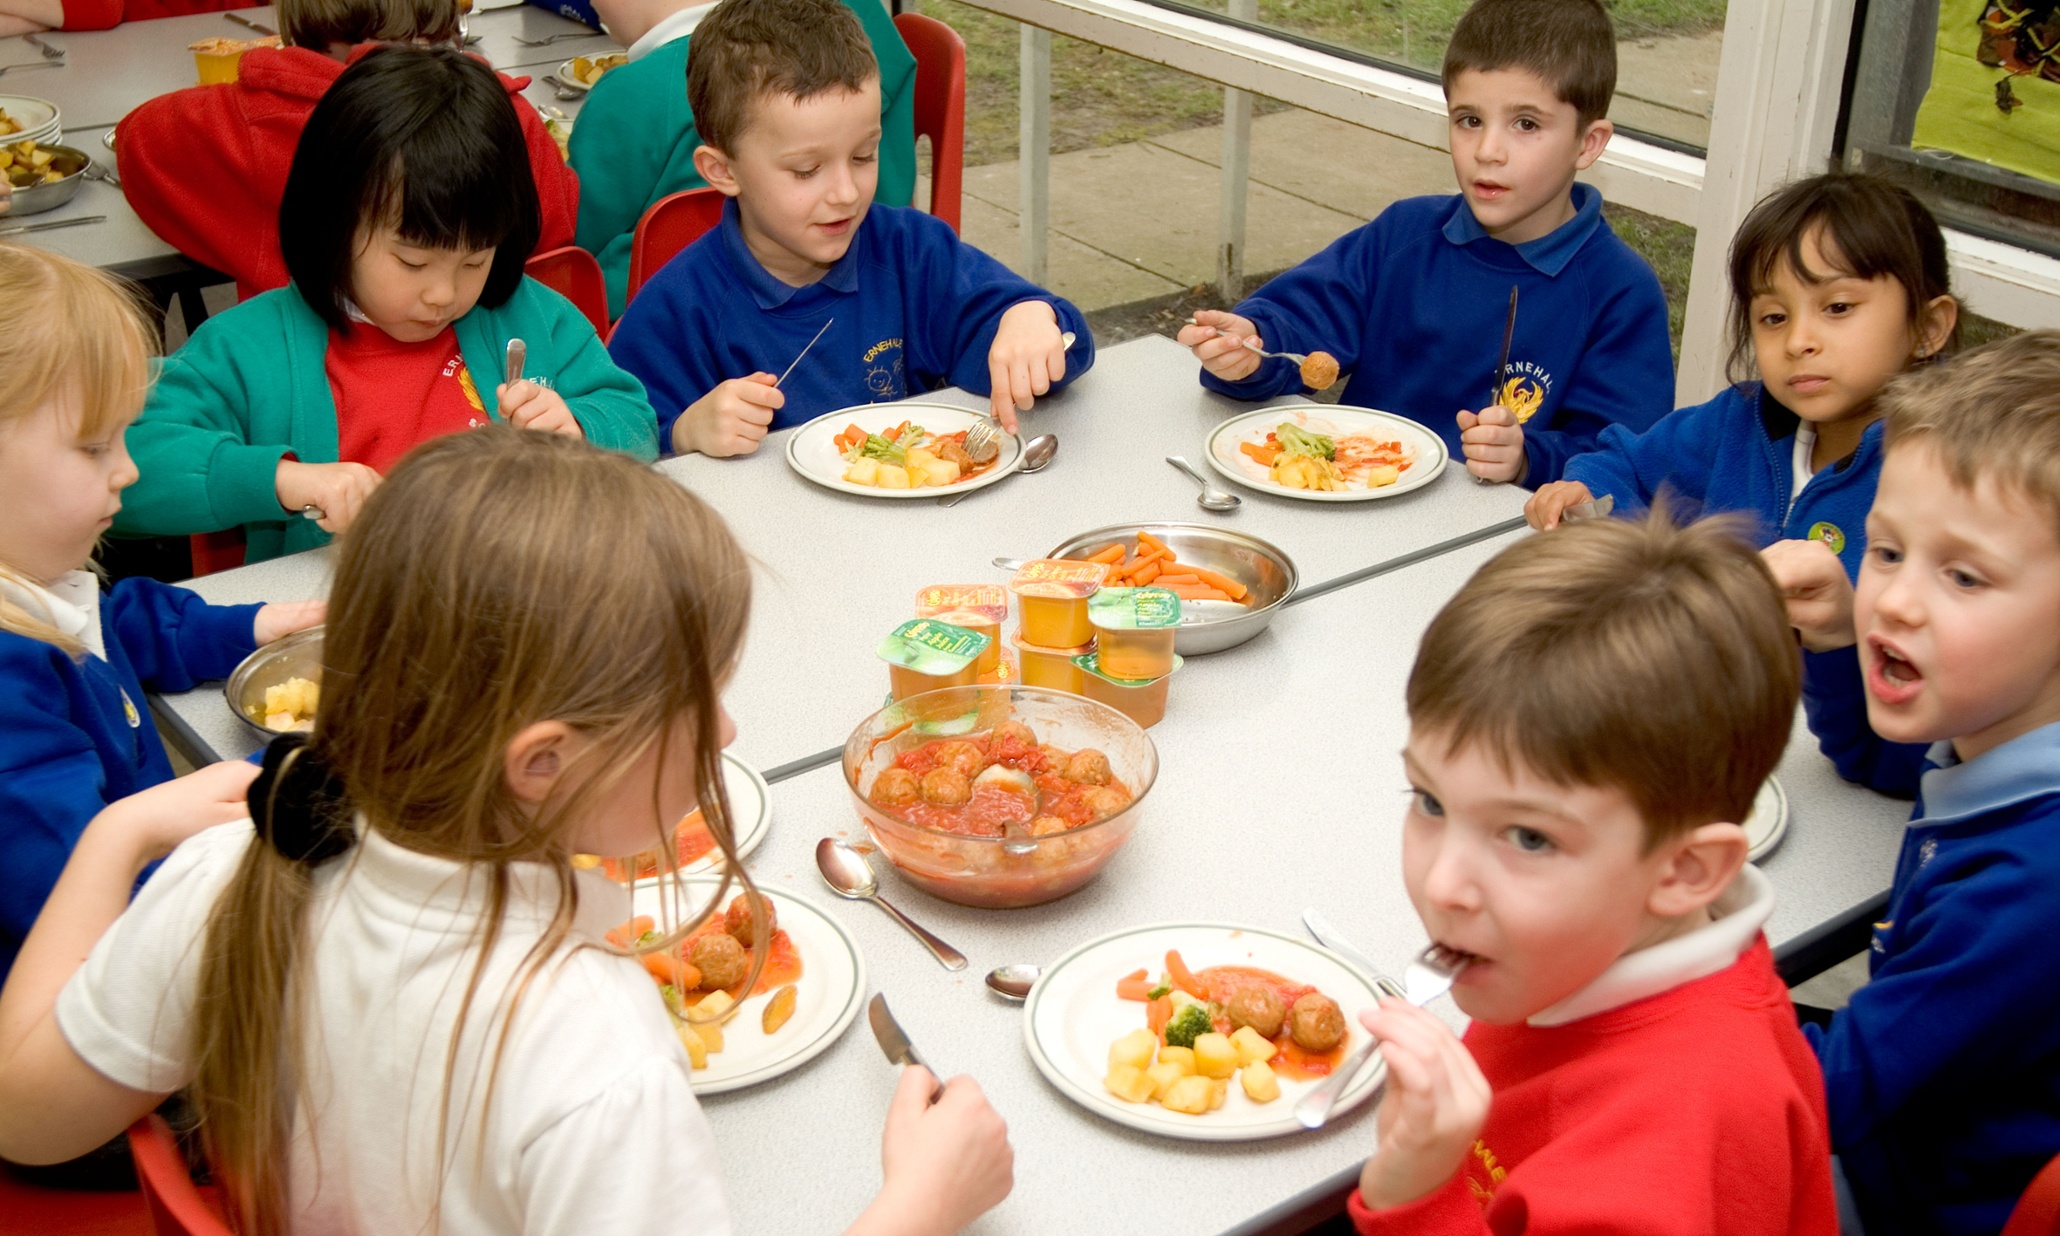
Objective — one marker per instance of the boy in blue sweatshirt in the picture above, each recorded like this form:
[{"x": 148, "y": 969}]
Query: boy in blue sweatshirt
[
  {"x": 787, "y": 97},
  {"x": 1943, "y": 1074},
  {"x": 1414, "y": 304}
]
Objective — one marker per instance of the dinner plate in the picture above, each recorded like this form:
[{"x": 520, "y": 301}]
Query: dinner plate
[
  {"x": 1334, "y": 420},
  {"x": 562, "y": 75},
  {"x": 38, "y": 117},
  {"x": 1768, "y": 822},
  {"x": 750, "y": 803},
  {"x": 1073, "y": 1014},
  {"x": 811, "y": 452},
  {"x": 827, "y": 996}
]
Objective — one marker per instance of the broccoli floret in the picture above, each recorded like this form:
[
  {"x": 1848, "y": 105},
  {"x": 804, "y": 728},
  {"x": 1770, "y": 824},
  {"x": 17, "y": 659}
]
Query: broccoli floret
[{"x": 1190, "y": 1023}]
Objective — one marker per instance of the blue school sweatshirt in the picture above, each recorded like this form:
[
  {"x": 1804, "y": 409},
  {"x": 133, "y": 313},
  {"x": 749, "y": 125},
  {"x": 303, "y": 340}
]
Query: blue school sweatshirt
[
  {"x": 1943, "y": 1073},
  {"x": 1737, "y": 453},
  {"x": 1413, "y": 306},
  {"x": 76, "y": 734},
  {"x": 912, "y": 308}
]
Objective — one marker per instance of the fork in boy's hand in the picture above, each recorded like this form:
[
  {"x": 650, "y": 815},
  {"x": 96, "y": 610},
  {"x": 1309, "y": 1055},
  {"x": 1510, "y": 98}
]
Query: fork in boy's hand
[{"x": 1429, "y": 976}]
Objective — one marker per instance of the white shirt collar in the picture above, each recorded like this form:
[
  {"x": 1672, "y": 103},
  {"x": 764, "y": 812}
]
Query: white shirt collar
[
  {"x": 71, "y": 603},
  {"x": 1737, "y": 916},
  {"x": 677, "y": 26},
  {"x": 1805, "y": 448}
]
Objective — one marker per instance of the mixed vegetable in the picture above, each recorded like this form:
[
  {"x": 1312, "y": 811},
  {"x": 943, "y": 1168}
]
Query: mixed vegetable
[{"x": 906, "y": 456}]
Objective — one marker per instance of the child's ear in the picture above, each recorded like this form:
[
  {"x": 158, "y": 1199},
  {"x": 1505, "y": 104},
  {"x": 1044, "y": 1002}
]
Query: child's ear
[
  {"x": 535, "y": 760},
  {"x": 1935, "y": 325},
  {"x": 1699, "y": 866},
  {"x": 1594, "y": 139},
  {"x": 714, "y": 167}
]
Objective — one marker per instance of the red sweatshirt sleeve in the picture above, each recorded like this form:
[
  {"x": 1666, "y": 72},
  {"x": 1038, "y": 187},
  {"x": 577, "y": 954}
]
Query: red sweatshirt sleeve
[
  {"x": 105, "y": 14},
  {"x": 92, "y": 14},
  {"x": 187, "y": 168},
  {"x": 557, "y": 185}
]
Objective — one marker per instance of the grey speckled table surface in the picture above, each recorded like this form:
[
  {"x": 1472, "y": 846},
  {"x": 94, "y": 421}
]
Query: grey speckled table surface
[{"x": 801, "y": 1153}]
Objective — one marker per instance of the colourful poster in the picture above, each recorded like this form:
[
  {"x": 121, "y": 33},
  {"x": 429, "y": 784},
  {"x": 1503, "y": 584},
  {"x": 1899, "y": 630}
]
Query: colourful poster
[{"x": 1995, "y": 85}]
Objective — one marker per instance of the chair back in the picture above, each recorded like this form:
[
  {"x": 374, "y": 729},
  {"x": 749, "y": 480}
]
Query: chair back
[
  {"x": 2038, "y": 1208},
  {"x": 673, "y": 222},
  {"x": 177, "y": 1205},
  {"x": 217, "y": 551},
  {"x": 940, "y": 106},
  {"x": 573, "y": 273}
]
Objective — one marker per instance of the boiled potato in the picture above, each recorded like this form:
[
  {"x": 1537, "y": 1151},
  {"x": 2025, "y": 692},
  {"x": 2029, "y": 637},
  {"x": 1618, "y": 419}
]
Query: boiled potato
[
  {"x": 1164, "y": 1074},
  {"x": 1261, "y": 1086},
  {"x": 1218, "y": 1091},
  {"x": 1214, "y": 1056},
  {"x": 1182, "y": 1056},
  {"x": 1134, "y": 1049},
  {"x": 918, "y": 458},
  {"x": 1128, "y": 1083},
  {"x": 710, "y": 1034},
  {"x": 891, "y": 477},
  {"x": 863, "y": 472},
  {"x": 938, "y": 471},
  {"x": 715, "y": 1004},
  {"x": 697, "y": 1051},
  {"x": 1190, "y": 1095},
  {"x": 1381, "y": 476},
  {"x": 1252, "y": 1047}
]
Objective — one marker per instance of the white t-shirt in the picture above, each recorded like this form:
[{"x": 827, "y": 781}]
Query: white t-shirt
[
  {"x": 1805, "y": 447},
  {"x": 591, "y": 1127}
]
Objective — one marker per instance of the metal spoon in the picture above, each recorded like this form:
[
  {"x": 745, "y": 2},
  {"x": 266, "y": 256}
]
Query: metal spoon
[
  {"x": 1037, "y": 453},
  {"x": 849, "y": 875},
  {"x": 1211, "y": 498},
  {"x": 1013, "y": 981}
]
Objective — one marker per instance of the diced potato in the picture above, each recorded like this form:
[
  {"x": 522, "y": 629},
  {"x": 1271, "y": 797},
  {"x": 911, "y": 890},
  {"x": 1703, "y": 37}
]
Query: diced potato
[
  {"x": 919, "y": 457},
  {"x": 1182, "y": 1056},
  {"x": 1214, "y": 1056},
  {"x": 1190, "y": 1095},
  {"x": 1128, "y": 1083},
  {"x": 778, "y": 1009},
  {"x": 1261, "y": 1086},
  {"x": 1218, "y": 1091},
  {"x": 863, "y": 472},
  {"x": 1252, "y": 1046},
  {"x": 938, "y": 471},
  {"x": 711, "y": 1034},
  {"x": 697, "y": 1051},
  {"x": 1134, "y": 1049},
  {"x": 1387, "y": 475},
  {"x": 891, "y": 477},
  {"x": 1164, "y": 1074},
  {"x": 715, "y": 1004}
]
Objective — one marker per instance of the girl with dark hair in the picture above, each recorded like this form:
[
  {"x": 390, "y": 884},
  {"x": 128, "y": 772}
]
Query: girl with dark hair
[{"x": 406, "y": 219}]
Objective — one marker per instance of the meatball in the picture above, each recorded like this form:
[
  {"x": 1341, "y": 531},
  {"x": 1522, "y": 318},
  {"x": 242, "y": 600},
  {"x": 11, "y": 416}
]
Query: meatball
[
  {"x": 1087, "y": 766},
  {"x": 1104, "y": 800},
  {"x": 1316, "y": 1022},
  {"x": 1047, "y": 825},
  {"x": 895, "y": 787},
  {"x": 954, "y": 450},
  {"x": 737, "y": 919},
  {"x": 1022, "y": 735},
  {"x": 720, "y": 959},
  {"x": 1257, "y": 1006},
  {"x": 946, "y": 787},
  {"x": 961, "y": 757}
]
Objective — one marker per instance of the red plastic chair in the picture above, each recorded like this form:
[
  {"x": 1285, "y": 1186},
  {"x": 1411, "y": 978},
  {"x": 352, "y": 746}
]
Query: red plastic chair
[
  {"x": 673, "y": 222},
  {"x": 573, "y": 273},
  {"x": 217, "y": 551},
  {"x": 177, "y": 1206},
  {"x": 2038, "y": 1210},
  {"x": 940, "y": 106},
  {"x": 46, "y": 1211}
]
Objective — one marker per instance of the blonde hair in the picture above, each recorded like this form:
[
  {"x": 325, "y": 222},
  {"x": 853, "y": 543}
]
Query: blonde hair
[
  {"x": 67, "y": 332},
  {"x": 1637, "y": 655},
  {"x": 1993, "y": 412},
  {"x": 321, "y": 24},
  {"x": 498, "y": 578}
]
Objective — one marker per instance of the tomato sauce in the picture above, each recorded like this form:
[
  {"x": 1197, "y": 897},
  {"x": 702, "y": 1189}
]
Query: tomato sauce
[
  {"x": 692, "y": 840},
  {"x": 1292, "y": 1060},
  {"x": 782, "y": 964},
  {"x": 992, "y": 808}
]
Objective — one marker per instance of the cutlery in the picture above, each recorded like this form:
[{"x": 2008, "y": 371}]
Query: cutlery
[
  {"x": 850, "y": 876},
  {"x": 1011, "y": 565},
  {"x": 983, "y": 437},
  {"x": 248, "y": 24},
  {"x": 1502, "y": 366},
  {"x": 547, "y": 40},
  {"x": 1211, "y": 498},
  {"x": 1429, "y": 976},
  {"x": 1252, "y": 345},
  {"x": 52, "y": 225},
  {"x": 1593, "y": 509},
  {"x": 96, "y": 170},
  {"x": 1331, "y": 938},
  {"x": 518, "y": 356},
  {"x": 894, "y": 1041},
  {"x": 1013, "y": 981},
  {"x": 1037, "y": 453},
  {"x": 804, "y": 351},
  {"x": 311, "y": 511},
  {"x": 26, "y": 65},
  {"x": 49, "y": 51}
]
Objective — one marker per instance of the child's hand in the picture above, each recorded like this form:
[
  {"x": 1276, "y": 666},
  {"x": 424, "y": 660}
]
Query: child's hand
[
  {"x": 1029, "y": 354},
  {"x": 1818, "y": 594},
  {"x": 1551, "y": 501},
  {"x": 337, "y": 490},
  {"x": 283, "y": 618},
  {"x": 945, "y": 1164},
  {"x": 1436, "y": 1103},
  {"x": 526, "y": 405},
  {"x": 1218, "y": 341},
  {"x": 730, "y": 420},
  {"x": 1494, "y": 444},
  {"x": 156, "y": 820}
]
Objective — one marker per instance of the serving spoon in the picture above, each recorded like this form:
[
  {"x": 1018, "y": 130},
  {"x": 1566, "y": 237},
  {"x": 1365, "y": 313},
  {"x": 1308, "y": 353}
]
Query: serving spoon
[
  {"x": 849, "y": 875},
  {"x": 1211, "y": 498}
]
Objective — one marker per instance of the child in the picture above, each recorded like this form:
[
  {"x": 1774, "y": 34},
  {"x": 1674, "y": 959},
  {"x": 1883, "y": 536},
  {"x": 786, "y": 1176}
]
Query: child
[
  {"x": 405, "y": 223},
  {"x": 29, "y": 16},
  {"x": 1588, "y": 719},
  {"x": 74, "y": 663},
  {"x": 636, "y": 138},
  {"x": 1414, "y": 305},
  {"x": 206, "y": 167},
  {"x": 1944, "y": 1070},
  {"x": 1838, "y": 283},
  {"x": 786, "y": 94},
  {"x": 526, "y": 648}
]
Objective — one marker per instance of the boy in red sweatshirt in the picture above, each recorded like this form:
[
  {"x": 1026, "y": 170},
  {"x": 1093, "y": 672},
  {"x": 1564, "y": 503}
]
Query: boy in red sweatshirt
[
  {"x": 1589, "y": 718},
  {"x": 205, "y": 167}
]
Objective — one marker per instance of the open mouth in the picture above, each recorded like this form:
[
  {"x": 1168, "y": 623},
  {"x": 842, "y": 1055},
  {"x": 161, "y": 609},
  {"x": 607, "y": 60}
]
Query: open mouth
[
  {"x": 1488, "y": 189},
  {"x": 1891, "y": 677}
]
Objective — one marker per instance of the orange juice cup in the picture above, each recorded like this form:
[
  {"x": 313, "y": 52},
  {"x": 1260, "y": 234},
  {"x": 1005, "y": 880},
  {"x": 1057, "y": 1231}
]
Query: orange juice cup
[
  {"x": 1143, "y": 702},
  {"x": 926, "y": 655},
  {"x": 1051, "y": 596},
  {"x": 1134, "y": 630},
  {"x": 976, "y": 607},
  {"x": 1051, "y": 668},
  {"x": 219, "y": 59}
]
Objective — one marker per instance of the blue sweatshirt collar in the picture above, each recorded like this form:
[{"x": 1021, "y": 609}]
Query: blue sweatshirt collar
[
  {"x": 2017, "y": 771},
  {"x": 769, "y": 291},
  {"x": 1549, "y": 254}
]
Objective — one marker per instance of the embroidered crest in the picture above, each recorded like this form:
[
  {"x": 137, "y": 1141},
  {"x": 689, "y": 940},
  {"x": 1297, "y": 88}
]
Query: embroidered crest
[
  {"x": 129, "y": 710},
  {"x": 1524, "y": 391},
  {"x": 1830, "y": 534}
]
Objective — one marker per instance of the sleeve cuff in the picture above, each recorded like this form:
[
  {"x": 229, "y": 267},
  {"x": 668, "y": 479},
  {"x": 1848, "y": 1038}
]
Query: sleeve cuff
[
  {"x": 1448, "y": 1208},
  {"x": 243, "y": 484}
]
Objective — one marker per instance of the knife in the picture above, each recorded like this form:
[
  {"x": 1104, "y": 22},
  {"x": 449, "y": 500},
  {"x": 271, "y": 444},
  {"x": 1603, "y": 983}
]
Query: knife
[
  {"x": 518, "y": 356},
  {"x": 248, "y": 24},
  {"x": 804, "y": 351},
  {"x": 1328, "y": 937},
  {"x": 1502, "y": 366},
  {"x": 894, "y": 1042},
  {"x": 52, "y": 226}
]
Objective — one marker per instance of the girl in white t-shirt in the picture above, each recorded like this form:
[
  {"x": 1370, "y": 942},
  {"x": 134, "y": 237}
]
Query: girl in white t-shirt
[{"x": 390, "y": 991}]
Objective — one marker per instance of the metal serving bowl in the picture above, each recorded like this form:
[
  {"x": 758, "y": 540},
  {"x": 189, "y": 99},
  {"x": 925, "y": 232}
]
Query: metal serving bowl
[
  {"x": 1210, "y": 626},
  {"x": 39, "y": 198},
  {"x": 298, "y": 655}
]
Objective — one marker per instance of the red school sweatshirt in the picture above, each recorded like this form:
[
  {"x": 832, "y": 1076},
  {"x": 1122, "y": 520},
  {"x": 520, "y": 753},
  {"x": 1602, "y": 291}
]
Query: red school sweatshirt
[
  {"x": 1699, "y": 1110},
  {"x": 107, "y": 14},
  {"x": 205, "y": 167}
]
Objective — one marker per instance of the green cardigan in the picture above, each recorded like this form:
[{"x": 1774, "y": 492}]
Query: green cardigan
[
  {"x": 249, "y": 388},
  {"x": 634, "y": 142}
]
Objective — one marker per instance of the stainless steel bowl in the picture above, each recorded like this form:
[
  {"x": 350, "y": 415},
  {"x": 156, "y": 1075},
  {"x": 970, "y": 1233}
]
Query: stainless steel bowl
[
  {"x": 299, "y": 655},
  {"x": 39, "y": 198},
  {"x": 1210, "y": 626}
]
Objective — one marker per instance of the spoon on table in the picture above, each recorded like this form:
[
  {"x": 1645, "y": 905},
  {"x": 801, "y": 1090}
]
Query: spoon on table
[
  {"x": 1013, "y": 981},
  {"x": 849, "y": 875},
  {"x": 1037, "y": 452},
  {"x": 1211, "y": 498}
]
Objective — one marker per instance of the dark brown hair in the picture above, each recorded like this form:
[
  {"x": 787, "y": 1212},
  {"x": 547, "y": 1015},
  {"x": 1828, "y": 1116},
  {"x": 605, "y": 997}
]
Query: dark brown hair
[
  {"x": 1994, "y": 413},
  {"x": 1637, "y": 655},
  {"x": 319, "y": 25},
  {"x": 747, "y": 49},
  {"x": 1569, "y": 43},
  {"x": 1866, "y": 227}
]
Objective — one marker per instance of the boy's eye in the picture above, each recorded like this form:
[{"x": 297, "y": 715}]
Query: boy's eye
[
  {"x": 1963, "y": 579},
  {"x": 1527, "y": 125},
  {"x": 1884, "y": 555},
  {"x": 1466, "y": 122},
  {"x": 1428, "y": 804},
  {"x": 1529, "y": 840},
  {"x": 803, "y": 173}
]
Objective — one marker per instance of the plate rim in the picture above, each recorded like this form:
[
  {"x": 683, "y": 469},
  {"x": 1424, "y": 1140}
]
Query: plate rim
[
  {"x": 562, "y": 78},
  {"x": 1779, "y": 829},
  {"x": 842, "y": 486},
  {"x": 752, "y": 838},
  {"x": 1306, "y": 495},
  {"x": 1091, "y": 1101}
]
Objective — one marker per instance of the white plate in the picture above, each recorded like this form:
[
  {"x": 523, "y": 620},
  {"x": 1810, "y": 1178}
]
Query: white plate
[
  {"x": 562, "y": 75},
  {"x": 1336, "y": 421},
  {"x": 1768, "y": 823},
  {"x": 750, "y": 803},
  {"x": 1073, "y": 1015},
  {"x": 811, "y": 452},
  {"x": 828, "y": 994},
  {"x": 36, "y": 116}
]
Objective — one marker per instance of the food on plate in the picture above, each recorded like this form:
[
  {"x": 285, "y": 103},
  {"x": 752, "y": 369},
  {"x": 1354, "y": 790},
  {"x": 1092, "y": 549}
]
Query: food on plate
[
  {"x": 930, "y": 654},
  {"x": 906, "y": 456},
  {"x": 1319, "y": 371},
  {"x": 1152, "y": 561},
  {"x": 1316, "y": 1022},
  {"x": 778, "y": 1009},
  {"x": 290, "y": 706},
  {"x": 737, "y": 921},
  {"x": 721, "y": 960},
  {"x": 691, "y": 842},
  {"x": 1300, "y": 458},
  {"x": 701, "y": 979},
  {"x": 1256, "y": 1007},
  {"x": 1017, "y": 786},
  {"x": 28, "y": 165},
  {"x": 586, "y": 70},
  {"x": 1051, "y": 599}
]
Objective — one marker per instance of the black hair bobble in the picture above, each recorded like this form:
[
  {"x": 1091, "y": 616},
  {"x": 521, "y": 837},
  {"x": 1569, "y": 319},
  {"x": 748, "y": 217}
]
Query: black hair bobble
[{"x": 298, "y": 804}]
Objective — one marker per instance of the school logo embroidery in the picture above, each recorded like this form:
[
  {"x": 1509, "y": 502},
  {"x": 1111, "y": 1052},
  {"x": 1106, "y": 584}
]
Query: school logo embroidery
[
  {"x": 884, "y": 378},
  {"x": 456, "y": 368},
  {"x": 135, "y": 718},
  {"x": 1524, "y": 390},
  {"x": 1830, "y": 534},
  {"x": 1491, "y": 1168}
]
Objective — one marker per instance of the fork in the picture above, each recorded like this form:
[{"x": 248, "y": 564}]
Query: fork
[
  {"x": 1252, "y": 345},
  {"x": 1431, "y": 975},
  {"x": 547, "y": 40},
  {"x": 983, "y": 437},
  {"x": 26, "y": 65},
  {"x": 50, "y": 52}
]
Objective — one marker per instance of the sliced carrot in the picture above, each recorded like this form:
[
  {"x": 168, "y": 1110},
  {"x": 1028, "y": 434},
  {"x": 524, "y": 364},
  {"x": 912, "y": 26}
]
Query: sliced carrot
[
  {"x": 1170, "y": 578},
  {"x": 1136, "y": 986},
  {"x": 1222, "y": 582},
  {"x": 1182, "y": 977},
  {"x": 1190, "y": 592},
  {"x": 1150, "y": 574},
  {"x": 1108, "y": 557},
  {"x": 894, "y": 434},
  {"x": 1158, "y": 1013},
  {"x": 1265, "y": 453},
  {"x": 632, "y": 931},
  {"x": 1146, "y": 540}
]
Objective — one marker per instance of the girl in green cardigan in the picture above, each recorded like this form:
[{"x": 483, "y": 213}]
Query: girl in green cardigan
[{"x": 407, "y": 215}]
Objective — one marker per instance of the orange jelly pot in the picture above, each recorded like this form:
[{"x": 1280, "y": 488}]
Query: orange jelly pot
[
  {"x": 976, "y": 607},
  {"x": 1051, "y": 595},
  {"x": 1142, "y": 701},
  {"x": 1051, "y": 668},
  {"x": 927, "y": 655},
  {"x": 1134, "y": 629}
]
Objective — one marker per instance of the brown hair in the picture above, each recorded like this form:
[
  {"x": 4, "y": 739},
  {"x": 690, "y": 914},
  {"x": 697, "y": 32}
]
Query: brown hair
[
  {"x": 1994, "y": 412},
  {"x": 67, "y": 331},
  {"x": 747, "y": 49},
  {"x": 1866, "y": 226},
  {"x": 496, "y": 579},
  {"x": 1568, "y": 43},
  {"x": 319, "y": 25},
  {"x": 1653, "y": 659}
]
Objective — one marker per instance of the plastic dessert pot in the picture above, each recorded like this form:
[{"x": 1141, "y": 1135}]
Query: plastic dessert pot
[
  {"x": 1051, "y": 595},
  {"x": 1051, "y": 668},
  {"x": 976, "y": 607},
  {"x": 1142, "y": 702},
  {"x": 218, "y": 60},
  {"x": 926, "y": 655},
  {"x": 1134, "y": 630}
]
